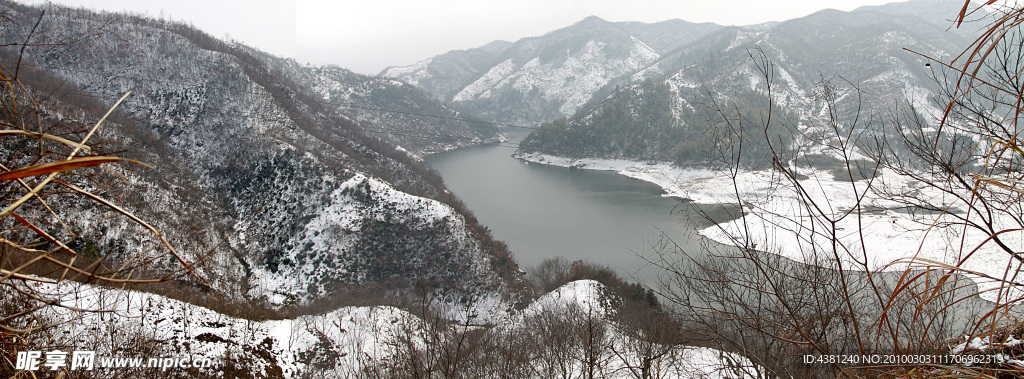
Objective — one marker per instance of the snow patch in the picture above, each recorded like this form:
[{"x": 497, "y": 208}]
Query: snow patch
[
  {"x": 889, "y": 234},
  {"x": 481, "y": 87},
  {"x": 412, "y": 74}
]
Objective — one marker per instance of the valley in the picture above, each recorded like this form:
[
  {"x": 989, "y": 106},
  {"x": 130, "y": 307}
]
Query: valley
[{"x": 610, "y": 199}]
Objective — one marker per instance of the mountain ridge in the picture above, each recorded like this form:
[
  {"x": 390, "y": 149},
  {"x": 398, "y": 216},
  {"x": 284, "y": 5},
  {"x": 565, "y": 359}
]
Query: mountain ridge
[
  {"x": 235, "y": 125},
  {"x": 676, "y": 48}
]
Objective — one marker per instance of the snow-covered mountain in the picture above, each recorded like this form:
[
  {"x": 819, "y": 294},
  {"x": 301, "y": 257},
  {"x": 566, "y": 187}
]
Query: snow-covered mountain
[
  {"x": 873, "y": 48},
  {"x": 399, "y": 113},
  {"x": 540, "y": 78},
  {"x": 573, "y": 69},
  {"x": 274, "y": 178},
  {"x": 872, "y": 61}
]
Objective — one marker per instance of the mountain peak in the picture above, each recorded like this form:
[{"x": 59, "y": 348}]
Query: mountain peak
[
  {"x": 592, "y": 19},
  {"x": 591, "y": 22}
]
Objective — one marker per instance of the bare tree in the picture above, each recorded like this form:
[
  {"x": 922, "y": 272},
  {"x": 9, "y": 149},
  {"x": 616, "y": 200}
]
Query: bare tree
[
  {"x": 550, "y": 273},
  {"x": 649, "y": 340},
  {"x": 799, "y": 278},
  {"x": 49, "y": 170}
]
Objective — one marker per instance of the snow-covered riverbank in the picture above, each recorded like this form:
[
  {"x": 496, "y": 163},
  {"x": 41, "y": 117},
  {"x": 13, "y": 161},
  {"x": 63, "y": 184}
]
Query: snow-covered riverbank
[{"x": 781, "y": 219}]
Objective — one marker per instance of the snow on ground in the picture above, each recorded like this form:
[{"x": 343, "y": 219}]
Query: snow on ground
[
  {"x": 589, "y": 299},
  {"x": 338, "y": 343},
  {"x": 586, "y": 296},
  {"x": 992, "y": 348},
  {"x": 355, "y": 334},
  {"x": 776, "y": 216}
]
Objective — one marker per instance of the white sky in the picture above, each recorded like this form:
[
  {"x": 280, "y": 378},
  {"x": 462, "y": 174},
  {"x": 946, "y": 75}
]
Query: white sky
[{"x": 367, "y": 36}]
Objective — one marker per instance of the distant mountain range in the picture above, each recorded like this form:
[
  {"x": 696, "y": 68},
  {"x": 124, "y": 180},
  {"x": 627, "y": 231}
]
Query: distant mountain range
[
  {"x": 570, "y": 71},
  {"x": 540, "y": 78}
]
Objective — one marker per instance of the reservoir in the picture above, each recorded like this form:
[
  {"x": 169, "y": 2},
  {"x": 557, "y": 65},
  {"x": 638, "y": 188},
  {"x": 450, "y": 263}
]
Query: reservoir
[{"x": 545, "y": 211}]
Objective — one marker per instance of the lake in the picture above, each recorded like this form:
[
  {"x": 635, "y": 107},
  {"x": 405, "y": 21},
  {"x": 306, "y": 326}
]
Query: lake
[
  {"x": 545, "y": 211},
  {"x": 599, "y": 216}
]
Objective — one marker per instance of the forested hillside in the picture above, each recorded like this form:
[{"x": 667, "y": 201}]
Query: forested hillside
[
  {"x": 274, "y": 185},
  {"x": 644, "y": 122}
]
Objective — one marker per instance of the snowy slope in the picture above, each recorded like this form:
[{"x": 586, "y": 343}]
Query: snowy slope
[
  {"x": 337, "y": 344},
  {"x": 338, "y": 341},
  {"x": 332, "y": 247},
  {"x": 257, "y": 175},
  {"x": 567, "y": 83},
  {"x": 538, "y": 78},
  {"x": 391, "y": 110},
  {"x": 588, "y": 301}
]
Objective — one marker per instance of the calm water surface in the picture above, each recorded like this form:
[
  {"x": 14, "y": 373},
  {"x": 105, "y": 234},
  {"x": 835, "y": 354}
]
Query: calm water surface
[
  {"x": 600, "y": 216},
  {"x": 545, "y": 211}
]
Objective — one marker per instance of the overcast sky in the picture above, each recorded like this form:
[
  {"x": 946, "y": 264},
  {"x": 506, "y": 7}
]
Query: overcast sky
[{"x": 368, "y": 35}]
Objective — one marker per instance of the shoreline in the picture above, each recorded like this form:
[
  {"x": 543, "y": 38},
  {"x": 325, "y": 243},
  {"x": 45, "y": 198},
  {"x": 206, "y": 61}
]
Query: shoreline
[
  {"x": 885, "y": 237},
  {"x": 662, "y": 174}
]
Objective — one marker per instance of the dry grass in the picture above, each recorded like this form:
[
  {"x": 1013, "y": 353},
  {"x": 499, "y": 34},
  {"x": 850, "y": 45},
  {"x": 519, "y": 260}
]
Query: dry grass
[
  {"x": 45, "y": 170},
  {"x": 997, "y": 187}
]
